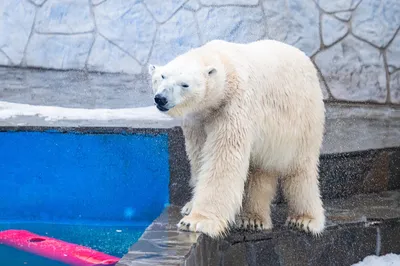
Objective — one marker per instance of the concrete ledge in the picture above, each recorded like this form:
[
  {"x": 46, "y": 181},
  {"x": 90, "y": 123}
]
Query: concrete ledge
[
  {"x": 348, "y": 127},
  {"x": 360, "y": 127},
  {"x": 362, "y": 225},
  {"x": 73, "y": 89}
]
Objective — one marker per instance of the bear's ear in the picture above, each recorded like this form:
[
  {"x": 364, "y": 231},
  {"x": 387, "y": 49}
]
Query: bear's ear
[
  {"x": 210, "y": 70},
  {"x": 152, "y": 68}
]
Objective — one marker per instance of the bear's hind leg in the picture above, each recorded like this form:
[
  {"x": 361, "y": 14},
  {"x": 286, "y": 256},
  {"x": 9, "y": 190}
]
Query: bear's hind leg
[
  {"x": 256, "y": 208},
  {"x": 301, "y": 190}
]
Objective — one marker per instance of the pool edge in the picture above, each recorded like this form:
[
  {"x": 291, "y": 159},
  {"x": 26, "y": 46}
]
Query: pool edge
[{"x": 347, "y": 238}]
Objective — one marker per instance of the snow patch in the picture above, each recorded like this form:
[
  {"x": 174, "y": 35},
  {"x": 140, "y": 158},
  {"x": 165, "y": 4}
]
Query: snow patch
[
  {"x": 386, "y": 260},
  {"x": 55, "y": 113}
]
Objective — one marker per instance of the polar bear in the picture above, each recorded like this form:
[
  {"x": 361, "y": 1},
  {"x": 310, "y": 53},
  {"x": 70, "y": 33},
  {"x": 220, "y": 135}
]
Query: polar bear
[{"x": 252, "y": 112}]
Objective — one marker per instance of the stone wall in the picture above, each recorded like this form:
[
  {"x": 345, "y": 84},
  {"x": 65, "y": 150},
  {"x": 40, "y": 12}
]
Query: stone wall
[{"x": 354, "y": 43}]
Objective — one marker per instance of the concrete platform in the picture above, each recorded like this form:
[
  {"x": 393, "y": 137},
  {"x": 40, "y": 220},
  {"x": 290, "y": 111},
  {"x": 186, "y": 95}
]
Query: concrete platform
[{"x": 362, "y": 225}]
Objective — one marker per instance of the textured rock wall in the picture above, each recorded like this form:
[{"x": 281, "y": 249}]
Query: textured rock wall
[{"x": 354, "y": 43}]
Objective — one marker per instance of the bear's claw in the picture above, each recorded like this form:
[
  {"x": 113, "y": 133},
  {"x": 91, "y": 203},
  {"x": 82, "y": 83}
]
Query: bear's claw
[
  {"x": 187, "y": 208},
  {"x": 250, "y": 222},
  {"x": 306, "y": 224},
  {"x": 201, "y": 224}
]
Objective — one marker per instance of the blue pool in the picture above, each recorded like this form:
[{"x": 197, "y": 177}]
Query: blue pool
[
  {"x": 114, "y": 240},
  {"x": 95, "y": 189}
]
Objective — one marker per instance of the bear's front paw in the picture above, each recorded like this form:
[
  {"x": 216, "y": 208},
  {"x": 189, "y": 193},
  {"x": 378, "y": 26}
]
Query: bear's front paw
[
  {"x": 253, "y": 222},
  {"x": 307, "y": 224},
  {"x": 187, "y": 208},
  {"x": 198, "y": 223}
]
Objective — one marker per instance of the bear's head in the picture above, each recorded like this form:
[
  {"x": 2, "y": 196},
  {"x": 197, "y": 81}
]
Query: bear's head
[{"x": 187, "y": 84}]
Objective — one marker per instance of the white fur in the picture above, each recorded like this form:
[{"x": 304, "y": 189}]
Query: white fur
[{"x": 252, "y": 113}]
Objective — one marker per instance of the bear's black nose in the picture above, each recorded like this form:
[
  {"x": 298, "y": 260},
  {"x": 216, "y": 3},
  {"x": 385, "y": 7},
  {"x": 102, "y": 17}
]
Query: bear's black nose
[{"x": 160, "y": 100}]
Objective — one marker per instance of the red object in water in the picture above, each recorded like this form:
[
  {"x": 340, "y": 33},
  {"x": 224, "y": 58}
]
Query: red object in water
[{"x": 55, "y": 249}]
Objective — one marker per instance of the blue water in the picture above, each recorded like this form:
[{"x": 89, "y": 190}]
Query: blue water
[
  {"x": 109, "y": 239},
  {"x": 70, "y": 176}
]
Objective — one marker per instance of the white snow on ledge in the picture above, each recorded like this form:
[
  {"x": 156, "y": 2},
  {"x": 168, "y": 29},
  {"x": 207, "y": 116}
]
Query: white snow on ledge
[
  {"x": 386, "y": 260},
  {"x": 55, "y": 113}
]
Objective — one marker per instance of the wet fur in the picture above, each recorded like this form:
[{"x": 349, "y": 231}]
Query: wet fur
[{"x": 260, "y": 117}]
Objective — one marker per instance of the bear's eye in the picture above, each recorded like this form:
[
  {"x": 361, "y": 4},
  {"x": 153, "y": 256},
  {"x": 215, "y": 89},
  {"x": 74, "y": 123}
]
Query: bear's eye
[
  {"x": 162, "y": 76},
  {"x": 184, "y": 85}
]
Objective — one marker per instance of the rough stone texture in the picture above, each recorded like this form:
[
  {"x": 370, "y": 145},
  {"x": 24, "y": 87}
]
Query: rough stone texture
[
  {"x": 393, "y": 52},
  {"x": 343, "y": 175},
  {"x": 179, "y": 189},
  {"x": 192, "y": 5},
  {"x": 97, "y": 2},
  {"x": 137, "y": 31},
  {"x": 355, "y": 3},
  {"x": 395, "y": 87},
  {"x": 295, "y": 250},
  {"x": 59, "y": 51},
  {"x": 107, "y": 57},
  {"x": 332, "y": 29},
  {"x": 337, "y": 5},
  {"x": 67, "y": 16},
  {"x": 38, "y": 2},
  {"x": 323, "y": 86},
  {"x": 354, "y": 71},
  {"x": 4, "y": 61},
  {"x": 162, "y": 12},
  {"x": 174, "y": 37},
  {"x": 241, "y": 25},
  {"x": 391, "y": 235},
  {"x": 128, "y": 24},
  {"x": 359, "y": 226},
  {"x": 394, "y": 170},
  {"x": 228, "y": 2},
  {"x": 16, "y": 20},
  {"x": 343, "y": 15},
  {"x": 376, "y": 21},
  {"x": 294, "y": 22}
]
